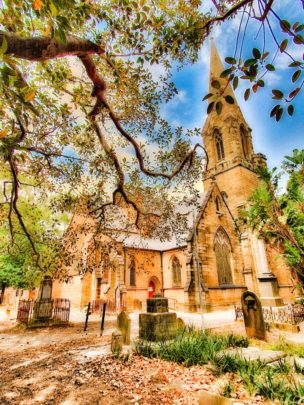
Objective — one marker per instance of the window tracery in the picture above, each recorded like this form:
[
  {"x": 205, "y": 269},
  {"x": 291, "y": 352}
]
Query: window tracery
[
  {"x": 222, "y": 250},
  {"x": 244, "y": 139},
  {"x": 176, "y": 271},
  {"x": 132, "y": 270}
]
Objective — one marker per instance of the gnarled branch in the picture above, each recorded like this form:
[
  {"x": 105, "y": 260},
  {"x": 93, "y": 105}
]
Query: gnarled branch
[{"x": 45, "y": 48}]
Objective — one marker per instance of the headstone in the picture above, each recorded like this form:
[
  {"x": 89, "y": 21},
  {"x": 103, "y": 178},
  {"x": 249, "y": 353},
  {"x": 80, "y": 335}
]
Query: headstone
[
  {"x": 124, "y": 325},
  {"x": 116, "y": 342},
  {"x": 157, "y": 305},
  {"x": 253, "y": 316},
  {"x": 137, "y": 305},
  {"x": 181, "y": 323},
  {"x": 158, "y": 323}
]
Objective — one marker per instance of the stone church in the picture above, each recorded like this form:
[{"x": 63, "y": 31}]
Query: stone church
[{"x": 216, "y": 261}]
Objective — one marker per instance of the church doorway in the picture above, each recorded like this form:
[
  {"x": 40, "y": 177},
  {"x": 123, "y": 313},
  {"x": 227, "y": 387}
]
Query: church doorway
[{"x": 151, "y": 289}]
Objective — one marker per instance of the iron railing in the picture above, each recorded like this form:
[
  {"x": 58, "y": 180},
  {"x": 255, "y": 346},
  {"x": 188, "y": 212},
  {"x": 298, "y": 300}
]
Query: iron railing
[
  {"x": 96, "y": 306},
  {"x": 290, "y": 314},
  {"x": 44, "y": 310},
  {"x": 172, "y": 303}
]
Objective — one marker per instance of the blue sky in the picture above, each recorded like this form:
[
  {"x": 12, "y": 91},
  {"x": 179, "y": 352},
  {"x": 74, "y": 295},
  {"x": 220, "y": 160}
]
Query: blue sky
[{"x": 269, "y": 137}]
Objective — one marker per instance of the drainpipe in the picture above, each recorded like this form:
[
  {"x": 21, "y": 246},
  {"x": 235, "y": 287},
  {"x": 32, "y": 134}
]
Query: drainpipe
[{"x": 162, "y": 270}]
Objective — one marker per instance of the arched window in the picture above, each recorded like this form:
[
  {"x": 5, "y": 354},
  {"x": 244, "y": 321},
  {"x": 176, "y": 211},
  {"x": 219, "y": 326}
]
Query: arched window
[
  {"x": 132, "y": 270},
  {"x": 219, "y": 144},
  {"x": 222, "y": 249},
  {"x": 176, "y": 271},
  {"x": 244, "y": 142}
]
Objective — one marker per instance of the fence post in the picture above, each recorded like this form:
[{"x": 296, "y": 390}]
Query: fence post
[
  {"x": 87, "y": 316},
  {"x": 103, "y": 318}
]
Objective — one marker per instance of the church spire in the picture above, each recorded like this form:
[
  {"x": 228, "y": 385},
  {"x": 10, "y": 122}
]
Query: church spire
[
  {"x": 226, "y": 135},
  {"x": 216, "y": 68}
]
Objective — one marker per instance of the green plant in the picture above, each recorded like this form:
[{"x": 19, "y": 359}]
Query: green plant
[
  {"x": 228, "y": 389},
  {"x": 282, "y": 366},
  {"x": 297, "y": 367}
]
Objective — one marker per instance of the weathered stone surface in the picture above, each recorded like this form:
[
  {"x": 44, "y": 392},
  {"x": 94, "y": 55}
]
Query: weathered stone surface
[
  {"x": 117, "y": 341},
  {"x": 157, "y": 305},
  {"x": 256, "y": 353},
  {"x": 253, "y": 316},
  {"x": 207, "y": 398},
  {"x": 156, "y": 327},
  {"x": 180, "y": 323},
  {"x": 124, "y": 325}
]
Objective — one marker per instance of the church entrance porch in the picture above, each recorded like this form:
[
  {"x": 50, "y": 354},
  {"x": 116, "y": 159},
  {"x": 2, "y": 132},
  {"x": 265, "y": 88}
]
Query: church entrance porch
[
  {"x": 154, "y": 287},
  {"x": 151, "y": 289}
]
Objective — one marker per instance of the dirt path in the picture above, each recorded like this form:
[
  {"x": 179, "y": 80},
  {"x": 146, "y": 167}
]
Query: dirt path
[{"x": 67, "y": 366}]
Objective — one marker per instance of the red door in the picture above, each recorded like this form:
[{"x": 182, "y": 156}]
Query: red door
[{"x": 151, "y": 289}]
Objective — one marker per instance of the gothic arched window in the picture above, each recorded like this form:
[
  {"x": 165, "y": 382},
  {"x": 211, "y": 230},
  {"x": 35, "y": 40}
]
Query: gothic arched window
[
  {"x": 222, "y": 249},
  {"x": 244, "y": 142},
  {"x": 176, "y": 271},
  {"x": 219, "y": 144},
  {"x": 132, "y": 271}
]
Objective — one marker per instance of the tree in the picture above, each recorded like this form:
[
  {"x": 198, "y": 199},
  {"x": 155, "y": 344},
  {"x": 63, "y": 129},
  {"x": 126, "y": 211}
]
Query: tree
[
  {"x": 279, "y": 218},
  {"x": 19, "y": 268},
  {"x": 90, "y": 119}
]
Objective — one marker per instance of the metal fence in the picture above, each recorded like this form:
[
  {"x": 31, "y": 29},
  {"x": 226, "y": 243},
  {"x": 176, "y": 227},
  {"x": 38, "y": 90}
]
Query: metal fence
[
  {"x": 97, "y": 305},
  {"x": 44, "y": 310},
  {"x": 291, "y": 314}
]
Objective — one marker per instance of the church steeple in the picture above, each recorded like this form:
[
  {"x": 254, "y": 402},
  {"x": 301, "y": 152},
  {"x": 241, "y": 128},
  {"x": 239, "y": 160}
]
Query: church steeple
[
  {"x": 216, "y": 69},
  {"x": 227, "y": 137}
]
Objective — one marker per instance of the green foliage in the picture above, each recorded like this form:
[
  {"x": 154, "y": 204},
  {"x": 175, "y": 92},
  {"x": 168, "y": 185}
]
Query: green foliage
[
  {"x": 190, "y": 347},
  {"x": 19, "y": 268},
  {"x": 288, "y": 348},
  {"x": 279, "y": 217},
  {"x": 274, "y": 382}
]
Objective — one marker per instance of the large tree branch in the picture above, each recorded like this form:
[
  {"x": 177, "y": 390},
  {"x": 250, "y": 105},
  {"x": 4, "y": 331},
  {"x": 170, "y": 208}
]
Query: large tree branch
[
  {"x": 99, "y": 91},
  {"x": 14, "y": 206},
  {"x": 224, "y": 16},
  {"x": 120, "y": 189},
  {"x": 44, "y": 48}
]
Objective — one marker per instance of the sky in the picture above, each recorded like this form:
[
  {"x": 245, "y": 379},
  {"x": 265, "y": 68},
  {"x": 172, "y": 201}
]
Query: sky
[{"x": 273, "y": 139}]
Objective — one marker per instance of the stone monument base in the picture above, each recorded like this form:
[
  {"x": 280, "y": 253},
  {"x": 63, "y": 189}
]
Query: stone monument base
[
  {"x": 158, "y": 326},
  {"x": 269, "y": 293}
]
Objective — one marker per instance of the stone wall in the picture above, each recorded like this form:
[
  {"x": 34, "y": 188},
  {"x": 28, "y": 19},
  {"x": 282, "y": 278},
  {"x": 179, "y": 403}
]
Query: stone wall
[{"x": 148, "y": 267}]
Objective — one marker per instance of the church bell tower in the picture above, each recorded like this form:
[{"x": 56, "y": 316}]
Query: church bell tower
[
  {"x": 233, "y": 166},
  {"x": 228, "y": 143}
]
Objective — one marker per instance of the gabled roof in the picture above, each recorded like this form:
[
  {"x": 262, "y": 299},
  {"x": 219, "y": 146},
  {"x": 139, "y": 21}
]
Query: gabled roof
[{"x": 204, "y": 205}]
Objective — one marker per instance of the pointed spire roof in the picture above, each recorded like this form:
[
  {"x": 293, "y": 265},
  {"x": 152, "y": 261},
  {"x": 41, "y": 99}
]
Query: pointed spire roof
[
  {"x": 216, "y": 65},
  {"x": 216, "y": 68}
]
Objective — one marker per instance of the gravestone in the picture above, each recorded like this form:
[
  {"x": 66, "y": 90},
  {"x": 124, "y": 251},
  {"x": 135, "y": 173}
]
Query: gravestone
[
  {"x": 116, "y": 342},
  {"x": 137, "y": 305},
  {"x": 124, "y": 325},
  {"x": 253, "y": 316},
  {"x": 181, "y": 323},
  {"x": 158, "y": 323}
]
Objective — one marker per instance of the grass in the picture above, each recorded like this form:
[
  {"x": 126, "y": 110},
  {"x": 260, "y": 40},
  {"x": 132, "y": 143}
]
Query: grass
[
  {"x": 280, "y": 381},
  {"x": 288, "y": 348},
  {"x": 190, "y": 347}
]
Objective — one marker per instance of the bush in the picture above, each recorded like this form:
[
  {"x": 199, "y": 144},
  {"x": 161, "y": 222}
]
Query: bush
[{"x": 192, "y": 346}]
